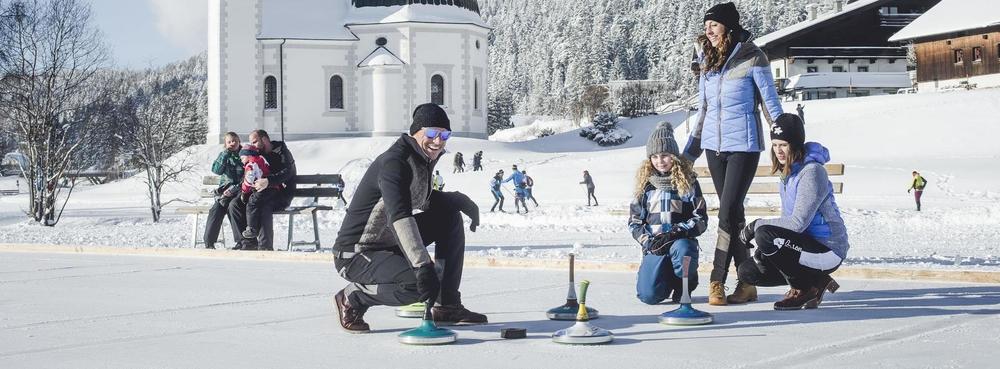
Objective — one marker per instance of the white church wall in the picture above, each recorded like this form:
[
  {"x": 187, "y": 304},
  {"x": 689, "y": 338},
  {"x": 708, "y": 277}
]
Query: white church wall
[{"x": 233, "y": 68}]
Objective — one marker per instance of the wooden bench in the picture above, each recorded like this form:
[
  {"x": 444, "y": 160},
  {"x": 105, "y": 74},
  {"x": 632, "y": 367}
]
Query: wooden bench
[
  {"x": 766, "y": 183},
  {"x": 322, "y": 186}
]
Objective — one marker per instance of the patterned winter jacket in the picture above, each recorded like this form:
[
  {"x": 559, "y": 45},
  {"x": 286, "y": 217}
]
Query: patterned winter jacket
[
  {"x": 228, "y": 167},
  {"x": 727, "y": 103},
  {"x": 658, "y": 210}
]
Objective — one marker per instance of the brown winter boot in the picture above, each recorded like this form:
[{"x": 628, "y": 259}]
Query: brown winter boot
[
  {"x": 716, "y": 293},
  {"x": 823, "y": 284},
  {"x": 352, "y": 320},
  {"x": 798, "y": 299},
  {"x": 744, "y": 293}
]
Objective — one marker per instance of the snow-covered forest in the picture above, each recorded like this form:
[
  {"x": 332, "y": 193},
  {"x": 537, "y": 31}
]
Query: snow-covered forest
[{"x": 544, "y": 54}]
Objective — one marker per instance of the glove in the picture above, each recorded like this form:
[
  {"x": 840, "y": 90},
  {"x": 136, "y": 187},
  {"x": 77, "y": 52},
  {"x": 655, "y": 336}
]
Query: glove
[
  {"x": 428, "y": 284},
  {"x": 746, "y": 235},
  {"x": 677, "y": 232},
  {"x": 660, "y": 244},
  {"x": 908, "y": 191}
]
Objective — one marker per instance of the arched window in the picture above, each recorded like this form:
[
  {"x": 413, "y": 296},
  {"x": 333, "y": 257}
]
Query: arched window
[
  {"x": 437, "y": 89},
  {"x": 475, "y": 94},
  {"x": 336, "y": 92},
  {"x": 270, "y": 93}
]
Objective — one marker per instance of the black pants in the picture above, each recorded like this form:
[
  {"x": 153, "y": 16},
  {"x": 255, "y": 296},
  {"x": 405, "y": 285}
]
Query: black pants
[
  {"x": 590, "y": 195},
  {"x": 238, "y": 210},
  {"x": 732, "y": 173},
  {"x": 386, "y": 278},
  {"x": 787, "y": 257},
  {"x": 213, "y": 224}
]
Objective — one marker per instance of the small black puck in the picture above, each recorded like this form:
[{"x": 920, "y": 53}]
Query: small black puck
[{"x": 513, "y": 333}]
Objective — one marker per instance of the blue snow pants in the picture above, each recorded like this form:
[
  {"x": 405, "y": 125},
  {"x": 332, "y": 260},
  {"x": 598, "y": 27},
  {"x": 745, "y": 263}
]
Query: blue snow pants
[{"x": 659, "y": 276}]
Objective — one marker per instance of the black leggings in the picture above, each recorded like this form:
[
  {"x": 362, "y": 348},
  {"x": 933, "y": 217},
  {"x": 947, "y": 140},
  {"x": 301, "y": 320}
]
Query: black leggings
[
  {"x": 732, "y": 173},
  {"x": 787, "y": 257}
]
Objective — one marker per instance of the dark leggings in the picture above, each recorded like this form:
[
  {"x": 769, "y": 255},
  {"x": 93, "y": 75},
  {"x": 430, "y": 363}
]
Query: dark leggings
[
  {"x": 916, "y": 196},
  {"x": 785, "y": 257},
  {"x": 732, "y": 173},
  {"x": 590, "y": 195}
]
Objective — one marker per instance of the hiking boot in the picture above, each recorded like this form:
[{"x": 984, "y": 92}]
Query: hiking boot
[
  {"x": 825, "y": 283},
  {"x": 717, "y": 293},
  {"x": 744, "y": 293},
  {"x": 352, "y": 320},
  {"x": 456, "y": 315},
  {"x": 796, "y": 299}
]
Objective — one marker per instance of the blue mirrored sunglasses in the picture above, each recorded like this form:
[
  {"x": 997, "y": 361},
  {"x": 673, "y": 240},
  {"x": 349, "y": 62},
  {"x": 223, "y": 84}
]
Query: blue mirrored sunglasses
[{"x": 431, "y": 133}]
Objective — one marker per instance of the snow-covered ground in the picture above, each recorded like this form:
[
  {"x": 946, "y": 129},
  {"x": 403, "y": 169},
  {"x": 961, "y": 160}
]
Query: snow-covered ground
[
  {"x": 949, "y": 137},
  {"x": 110, "y": 311}
]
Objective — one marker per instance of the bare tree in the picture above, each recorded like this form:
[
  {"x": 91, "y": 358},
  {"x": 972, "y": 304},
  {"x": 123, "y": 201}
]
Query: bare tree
[
  {"x": 50, "y": 53},
  {"x": 162, "y": 110}
]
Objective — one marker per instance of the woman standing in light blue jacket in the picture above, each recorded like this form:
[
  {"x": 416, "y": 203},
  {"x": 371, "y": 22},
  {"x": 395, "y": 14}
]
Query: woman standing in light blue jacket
[{"x": 735, "y": 80}]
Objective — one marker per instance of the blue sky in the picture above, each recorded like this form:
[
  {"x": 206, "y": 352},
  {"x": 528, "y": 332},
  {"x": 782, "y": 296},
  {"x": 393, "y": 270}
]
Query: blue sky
[{"x": 143, "y": 33}]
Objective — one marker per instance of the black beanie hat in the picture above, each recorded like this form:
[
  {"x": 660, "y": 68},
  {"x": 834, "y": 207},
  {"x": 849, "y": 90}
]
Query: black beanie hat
[
  {"x": 726, "y": 14},
  {"x": 788, "y": 127},
  {"x": 429, "y": 115}
]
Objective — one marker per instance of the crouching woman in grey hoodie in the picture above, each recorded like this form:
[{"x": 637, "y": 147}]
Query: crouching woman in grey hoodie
[{"x": 809, "y": 241}]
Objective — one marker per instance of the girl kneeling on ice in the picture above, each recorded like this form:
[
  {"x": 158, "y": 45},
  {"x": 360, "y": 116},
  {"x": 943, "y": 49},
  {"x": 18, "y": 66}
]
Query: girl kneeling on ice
[
  {"x": 809, "y": 241},
  {"x": 666, "y": 214}
]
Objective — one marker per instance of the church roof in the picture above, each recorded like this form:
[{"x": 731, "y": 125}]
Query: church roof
[
  {"x": 380, "y": 57},
  {"x": 950, "y": 16},
  {"x": 331, "y": 19},
  {"x": 471, "y": 5}
]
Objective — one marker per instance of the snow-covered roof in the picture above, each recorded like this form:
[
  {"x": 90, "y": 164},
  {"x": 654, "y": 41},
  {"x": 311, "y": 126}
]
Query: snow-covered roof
[
  {"x": 790, "y": 30},
  {"x": 951, "y": 16},
  {"x": 380, "y": 57},
  {"x": 850, "y": 79},
  {"x": 330, "y": 19}
]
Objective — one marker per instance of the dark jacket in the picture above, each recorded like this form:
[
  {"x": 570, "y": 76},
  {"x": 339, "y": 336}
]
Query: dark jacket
[
  {"x": 395, "y": 184},
  {"x": 588, "y": 180},
  {"x": 282, "y": 166},
  {"x": 228, "y": 167},
  {"x": 658, "y": 210}
]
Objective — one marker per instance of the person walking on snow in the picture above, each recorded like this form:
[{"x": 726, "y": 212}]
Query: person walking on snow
[
  {"x": 381, "y": 247},
  {"x": 666, "y": 215},
  {"x": 808, "y": 241},
  {"x": 519, "y": 193},
  {"x": 802, "y": 112},
  {"x": 529, "y": 183},
  {"x": 917, "y": 186},
  {"x": 735, "y": 78},
  {"x": 589, "y": 181},
  {"x": 459, "y": 163},
  {"x": 477, "y": 161},
  {"x": 438, "y": 184},
  {"x": 495, "y": 190}
]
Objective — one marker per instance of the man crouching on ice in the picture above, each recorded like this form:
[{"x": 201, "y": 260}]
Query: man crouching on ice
[{"x": 381, "y": 246}]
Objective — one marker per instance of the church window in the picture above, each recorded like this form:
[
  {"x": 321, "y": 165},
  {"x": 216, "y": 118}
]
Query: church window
[
  {"x": 475, "y": 94},
  {"x": 336, "y": 92},
  {"x": 270, "y": 93},
  {"x": 437, "y": 89}
]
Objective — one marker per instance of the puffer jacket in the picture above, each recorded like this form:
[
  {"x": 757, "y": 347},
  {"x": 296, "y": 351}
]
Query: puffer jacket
[
  {"x": 727, "y": 119},
  {"x": 658, "y": 210},
  {"x": 807, "y": 203}
]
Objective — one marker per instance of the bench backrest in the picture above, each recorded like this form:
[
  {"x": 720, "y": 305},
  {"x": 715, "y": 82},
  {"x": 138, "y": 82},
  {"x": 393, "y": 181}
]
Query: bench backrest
[
  {"x": 767, "y": 187},
  {"x": 323, "y": 185}
]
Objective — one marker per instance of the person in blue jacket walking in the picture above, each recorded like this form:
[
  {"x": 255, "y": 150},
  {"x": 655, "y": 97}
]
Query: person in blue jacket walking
[
  {"x": 666, "y": 215},
  {"x": 809, "y": 240},
  {"x": 519, "y": 191},
  {"x": 735, "y": 80}
]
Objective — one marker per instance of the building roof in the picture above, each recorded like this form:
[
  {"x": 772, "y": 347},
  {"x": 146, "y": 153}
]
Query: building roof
[
  {"x": 471, "y": 5},
  {"x": 331, "y": 19},
  {"x": 950, "y": 16},
  {"x": 381, "y": 57},
  {"x": 849, "y": 79},
  {"x": 805, "y": 25}
]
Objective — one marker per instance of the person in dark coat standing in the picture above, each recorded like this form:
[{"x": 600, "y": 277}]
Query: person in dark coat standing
[
  {"x": 230, "y": 172},
  {"x": 801, "y": 110},
  {"x": 589, "y": 181},
  {"x": 477, "y": 161},
  {"x": 381, "y": 247},
  {"x": 459, "y": 163}
]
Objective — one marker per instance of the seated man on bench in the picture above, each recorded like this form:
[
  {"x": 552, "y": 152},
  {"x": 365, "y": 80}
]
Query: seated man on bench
[{"x": 282, "y": 171}]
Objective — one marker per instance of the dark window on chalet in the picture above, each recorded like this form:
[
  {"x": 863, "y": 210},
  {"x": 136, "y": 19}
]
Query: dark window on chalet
[
  {"x": 336, "y": 92},
  {"x": 862, "y": 68},
  {"x": 270, "y": 93},
  {"x": 838, "y": 68},
  {"x": 957, "y": 56},
  {"x": 812, "y": 69},
  {"x": 777, "y": 72},
  {"x": 977, "y": 54},
  {"x": 437, "y": 89}
]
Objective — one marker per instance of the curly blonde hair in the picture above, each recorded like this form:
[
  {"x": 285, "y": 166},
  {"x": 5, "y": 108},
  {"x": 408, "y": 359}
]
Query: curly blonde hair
[{"x": 682, "y": 176}]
